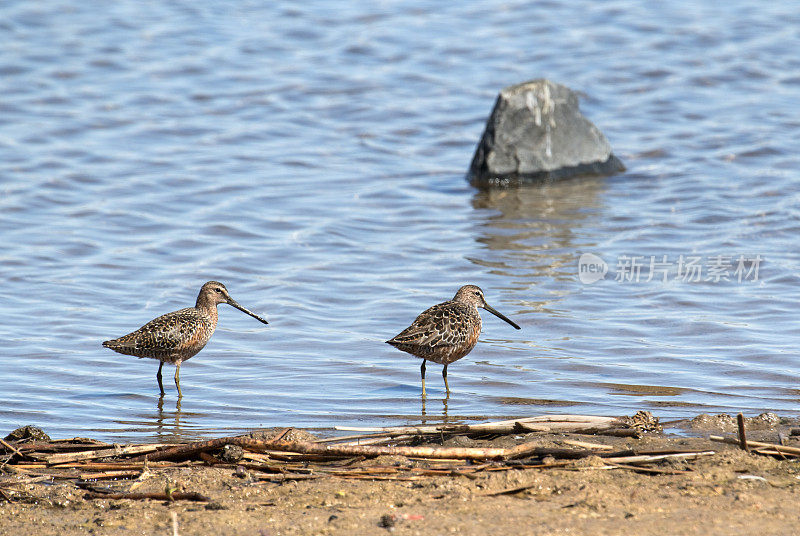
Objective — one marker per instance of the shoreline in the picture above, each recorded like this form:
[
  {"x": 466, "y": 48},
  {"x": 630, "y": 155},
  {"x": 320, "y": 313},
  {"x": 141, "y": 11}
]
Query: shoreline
[{"x": 711, "y": 488}]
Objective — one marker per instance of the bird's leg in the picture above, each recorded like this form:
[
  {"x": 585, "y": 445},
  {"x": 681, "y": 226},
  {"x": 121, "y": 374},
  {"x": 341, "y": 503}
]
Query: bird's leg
[
  {"x": 444, "y": 375},
  {"x": 158, "y": 377},
  {"x": 178, "y": 379},
  {"x": 422, "y": 372}
]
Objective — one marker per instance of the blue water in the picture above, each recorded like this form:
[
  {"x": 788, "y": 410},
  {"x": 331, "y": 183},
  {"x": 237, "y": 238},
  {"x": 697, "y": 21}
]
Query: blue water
[{"x": 312, "y": 158}]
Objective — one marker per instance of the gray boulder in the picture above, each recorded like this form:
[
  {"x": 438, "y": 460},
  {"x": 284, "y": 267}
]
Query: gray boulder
[{"x": 536, "y": 132}]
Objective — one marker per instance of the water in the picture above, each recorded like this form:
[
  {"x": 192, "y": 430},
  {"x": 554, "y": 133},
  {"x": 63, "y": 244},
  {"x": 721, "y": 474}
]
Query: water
[{"x": 313, "y": 158}]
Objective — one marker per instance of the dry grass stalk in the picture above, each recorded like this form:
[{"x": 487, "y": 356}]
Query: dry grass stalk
[
  {"x": 109, "y": 475},
  {"x": 651, "y": 470}
]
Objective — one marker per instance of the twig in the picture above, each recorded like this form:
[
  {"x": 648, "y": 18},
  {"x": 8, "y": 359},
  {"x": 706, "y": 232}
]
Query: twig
[
  {"x": 658, "y": 457},
  {"x": 109, "y": 466},
  {"x": 176, "y": 496},
  {"x": 284, "y": 477},
  {"x": 11, "y": 448},
  {"x": 772, "y": 452},
  {"x": 757, "y": 444},
  {"x": 66, "y": 457},
  {"x": 652, "y": 470},
  {"x": 510, "y": 491},
  {"x": 742, "y": 435},
  {"x": 109, "y": 474},
  {"x": 398, "y": 478},
  {"x": 283, "y": 433}
]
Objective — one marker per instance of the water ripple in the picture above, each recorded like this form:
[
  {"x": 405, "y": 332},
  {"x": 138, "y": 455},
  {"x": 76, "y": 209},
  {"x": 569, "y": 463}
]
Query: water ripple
[{"x": 312, "y": 158}]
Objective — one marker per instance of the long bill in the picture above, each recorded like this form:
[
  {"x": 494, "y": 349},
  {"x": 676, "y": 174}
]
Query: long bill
[
  {"x": 499, "y": 315},
  {"x": 233, "y": 303}
]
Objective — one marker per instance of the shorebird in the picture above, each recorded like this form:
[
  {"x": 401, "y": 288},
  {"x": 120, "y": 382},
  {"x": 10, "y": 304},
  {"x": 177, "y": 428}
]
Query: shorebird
[
  {"x": 447, "y": 331},
  {"x": 179, "y": 335}
]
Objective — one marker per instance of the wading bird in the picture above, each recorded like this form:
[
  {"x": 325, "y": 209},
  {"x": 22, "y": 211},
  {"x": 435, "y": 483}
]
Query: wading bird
[
  {"x": 447, "y": 331},
  {"x": 177, "y": 336}
]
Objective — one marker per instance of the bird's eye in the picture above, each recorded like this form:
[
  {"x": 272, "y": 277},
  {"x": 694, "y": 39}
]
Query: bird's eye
[{"x": 218, "y": 290}]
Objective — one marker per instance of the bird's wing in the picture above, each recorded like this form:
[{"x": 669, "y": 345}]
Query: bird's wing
[
  {"x": 161, "y": 336},
  {"x": 440, "y": 326}
]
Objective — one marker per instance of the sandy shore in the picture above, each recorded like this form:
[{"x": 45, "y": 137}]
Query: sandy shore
[{"x": 728, "y": 492}]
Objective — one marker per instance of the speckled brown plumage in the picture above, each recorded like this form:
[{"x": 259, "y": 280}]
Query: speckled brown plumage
[
  {"x": 447, "y": 331},
  {"x": 443, "y": 333},
  {"x": 171, "y": 338},
  {"x": 177, "y": 336}
]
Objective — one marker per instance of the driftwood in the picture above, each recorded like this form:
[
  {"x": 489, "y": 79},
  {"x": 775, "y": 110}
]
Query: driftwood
[
  {"x": 259, "y": 445},
  {"x": 454, "y": 453},
  {"x": 448, "y": 453},
  {"x": 280, "y": 460},
  {"x": 279, "y": 448}
]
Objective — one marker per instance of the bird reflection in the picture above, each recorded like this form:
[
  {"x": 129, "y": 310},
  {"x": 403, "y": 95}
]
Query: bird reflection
[
  {"x": 168, "y": 424},
  {"x": 443, "y": 419}
]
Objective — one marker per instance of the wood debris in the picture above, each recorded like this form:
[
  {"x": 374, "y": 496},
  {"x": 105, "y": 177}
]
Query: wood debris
[{"x": 278, "y": 459}]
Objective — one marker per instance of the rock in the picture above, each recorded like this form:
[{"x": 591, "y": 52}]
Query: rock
[
  {"x": 231, "y": 453},
  {"x": 536, "y": 132},
  {"x": 29, "y": 432},
  {"x": 387, "y": 521},
  {"x": 721, "y": 422},
  {"x": 765, "y": 420}
]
